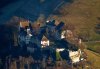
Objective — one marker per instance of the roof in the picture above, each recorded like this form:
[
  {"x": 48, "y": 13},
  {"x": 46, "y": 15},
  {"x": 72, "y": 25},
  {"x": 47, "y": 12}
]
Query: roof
[
  {"x": 44, "y": 38},
  {"x": 24, "y": 23}
]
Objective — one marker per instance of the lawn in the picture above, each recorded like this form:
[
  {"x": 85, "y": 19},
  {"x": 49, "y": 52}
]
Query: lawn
[
  {"x": 94, "y": 59},
  {"x": 93, "y": 46}
]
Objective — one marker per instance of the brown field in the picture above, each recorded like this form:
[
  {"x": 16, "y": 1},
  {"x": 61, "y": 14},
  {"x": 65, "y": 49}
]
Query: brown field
[{"x": 83, "y": 14}]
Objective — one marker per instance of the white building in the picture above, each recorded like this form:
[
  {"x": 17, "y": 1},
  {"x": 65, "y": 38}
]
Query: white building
[
  {"x": 69, "y": 33},
  {"x": 66, "y": 34},
  {"x": 63, "y": 34},
  {"x": 75, "y": 56},
  {"x": 80, "y": 41},
  {"x": 23, "y": 24},
  {"x": 60, "y": 49}
]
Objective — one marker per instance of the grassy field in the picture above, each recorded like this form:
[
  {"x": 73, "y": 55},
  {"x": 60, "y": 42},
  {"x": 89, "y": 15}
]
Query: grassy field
[
  {"x": 83, "y": 15},
  {"x": 93, "y": 46},
  {"x": 94, "y": 59}
]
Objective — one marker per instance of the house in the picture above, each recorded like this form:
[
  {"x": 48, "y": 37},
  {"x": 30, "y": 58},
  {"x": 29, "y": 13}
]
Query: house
[
  {"x": 58, "y": 56},
  {"x": 52, "y": 31},
  {"x": 45, "y": 42},
  {"x": 66, "y": 34},
  {"x": 80, "y": 41},
  {"x": 69, "y": 33},
  {"x": 63, "y": 34},
  {"x": 23, "y": 24},
  {"x": 75, "y": 55},
  {"x": 60, "y": 49}
]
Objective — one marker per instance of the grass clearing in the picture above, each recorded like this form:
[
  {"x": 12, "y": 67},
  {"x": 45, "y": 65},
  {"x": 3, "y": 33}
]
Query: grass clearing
[
  {"x": 93, "y": 46},
  {"x": 94, "y": 59},
  {"x": 83, "y": 15}
]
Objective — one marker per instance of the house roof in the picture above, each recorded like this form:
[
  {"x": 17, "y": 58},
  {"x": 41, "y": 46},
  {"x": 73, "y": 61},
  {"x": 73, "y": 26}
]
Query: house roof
[
  {"x": 24, "y": 23},
  {"x": 44, "y": 38}
]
